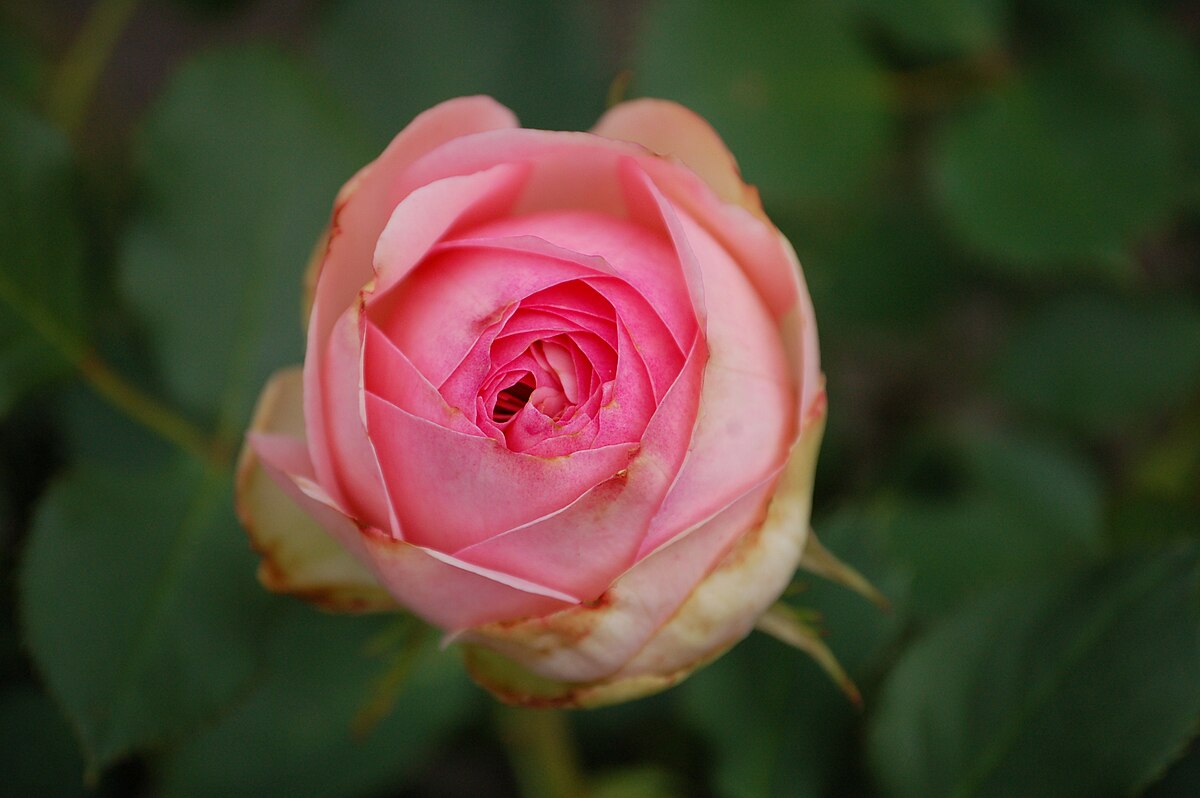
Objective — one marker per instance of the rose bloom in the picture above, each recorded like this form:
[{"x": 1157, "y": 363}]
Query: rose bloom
[{"x": 561, "y": 399}]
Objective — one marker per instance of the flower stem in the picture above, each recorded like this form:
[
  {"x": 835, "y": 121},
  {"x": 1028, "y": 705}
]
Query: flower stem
[
  {"x": 71, "y": 90},
  {"x": 541, "y": 750},
  {"x": 110, "y": 386}
]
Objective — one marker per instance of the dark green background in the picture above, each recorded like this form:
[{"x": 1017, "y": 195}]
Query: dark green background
[{"x": 997, "y": 204}]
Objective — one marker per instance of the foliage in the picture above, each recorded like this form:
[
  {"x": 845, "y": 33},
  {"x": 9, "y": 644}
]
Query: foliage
[{"x": 997, "y": 203}]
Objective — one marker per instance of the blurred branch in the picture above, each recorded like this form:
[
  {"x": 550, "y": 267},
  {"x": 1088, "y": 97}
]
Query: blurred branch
[
  {"x": 933, "y": 87},
  {"x": 70, "y": 92},
  {"x": 541, "y": 750},
  {"x": 121, "y": 394}
]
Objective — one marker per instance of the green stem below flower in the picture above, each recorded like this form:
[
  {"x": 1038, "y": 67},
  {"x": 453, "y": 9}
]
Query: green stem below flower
[{"x": 541, "y": 749}]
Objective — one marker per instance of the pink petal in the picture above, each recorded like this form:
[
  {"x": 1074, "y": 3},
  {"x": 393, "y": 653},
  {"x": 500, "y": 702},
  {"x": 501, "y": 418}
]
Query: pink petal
[
  {"x": 360, "y": 213},
  {"x": 349, "y": 471},
  {"x": 389, "y": 373},
  {"x": 593, "y": 540},
  {"x": 748, "y": 417},
  {"x": 443, "y": 591},
  {"x": 438, "y": 314},
  {"x": 753, "y": 242},
  {"x": 451, "y": 490},
  {"x": 641, "y": 254},
  {"x": 570, "y": 170},
  {"x": 667, "y": 128},
  {"x": 588, "y": 643}
]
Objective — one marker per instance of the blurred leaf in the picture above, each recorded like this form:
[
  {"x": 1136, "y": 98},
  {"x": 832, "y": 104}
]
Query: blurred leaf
[
  {"x": 1055, "y": 168},
  {"x": 138, "y": 603},
  {"x": 41, "y": 252},
  {"x": 1101, "y": 365},
  {"x": 1024, "y": 506},
  {"x": 241, "y": 161},
  {"x": 777, "y": 725},
  {"x": 635, "y": 783},
  {"x": 392, "y": 59},
  {"x": 293, "y": 734},
  {"x": 1182, "y": 779},
  {"x": 1080, "y": 685},
  {"x": 877, "y": 268},
  {"x": 21, "y": 71},
  {"x": 788, "y": 85},
  {"x": 38, "y": 756},
  {"x": 940, "y": 27}
]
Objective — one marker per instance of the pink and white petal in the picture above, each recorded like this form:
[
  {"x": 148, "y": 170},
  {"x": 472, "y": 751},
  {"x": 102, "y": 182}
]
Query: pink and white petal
[
  {"x": 583, "y": 547},
  {"x": 633, "y": 403},
  {"x": 749, "y": 579},
  {"x": 798, "y": 329},
  {"x": 670, "y": 129},
  {"x": 748, "y": 413},
  {"x": 595, "y": 640},
  {"x": 389, "y": 373},
  {"x": 451, "y": 490},
  {"x": 361, "y": 210},
  {"x": 685, "y": 603},
  {"x": 298, "y": 555},
  {"x": 443, "y": 591},
  {"x": 752, "y": 241},
  {"x": 570, "y": 169},
  {"x": 365, "y": 203},
  {"x": 648, "y": 476},
  {"x": 474, "y": 284},
  {"x": 638, "y": 250},
  {"x": 349, "y": 470},
  {"x": 454, "y": 595}
]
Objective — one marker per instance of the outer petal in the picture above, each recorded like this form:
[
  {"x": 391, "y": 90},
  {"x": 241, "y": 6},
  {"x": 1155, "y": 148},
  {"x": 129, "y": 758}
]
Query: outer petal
[
  {"x": 667, "y": 128},
  {"x": 717, "y": 613},
  {"x": 748, "y": 416},
  {"x": 438, "y": 588},
  {"x": 298, "y": 556},
  {"x": 361, "y": 211}
]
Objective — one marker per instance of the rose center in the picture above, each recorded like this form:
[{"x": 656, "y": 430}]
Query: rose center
[{"x": 510, "y": 400}]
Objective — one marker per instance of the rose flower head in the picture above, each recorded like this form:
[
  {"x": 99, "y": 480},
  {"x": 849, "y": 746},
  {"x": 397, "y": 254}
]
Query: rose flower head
[{"x": 561, "y": 398}]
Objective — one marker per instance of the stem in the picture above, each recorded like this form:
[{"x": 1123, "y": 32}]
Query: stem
[
  {"x": 71, "y": 90},
  {"x": 110, "y": 386},
  {"x": 541, "y": 749}
]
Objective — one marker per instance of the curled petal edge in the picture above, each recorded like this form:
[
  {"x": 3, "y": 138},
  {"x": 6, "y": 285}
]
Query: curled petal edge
[{"x": 298, "y": 556}]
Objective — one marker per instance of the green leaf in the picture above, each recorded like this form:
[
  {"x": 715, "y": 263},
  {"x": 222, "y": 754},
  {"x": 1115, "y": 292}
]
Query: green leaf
[
  {"x": 41, "y": 253},
  {"x": 138, "y": 603},
  {"x": 1079, "y": 685},
  {"x": 293, "y": 735},
  {"x": 1018, "y": 506},
  {"x": 878, "y": 267},
  {"x": 1182, "y": 779},
  {"x": 1055, "y": 168},
  {"x": 241, "y": 160},
  {"x": 940, "y": 27},
  {"x": 38, "y": 756},
  {"x": 1102, "y": 366},
  {"x": 392, "y": 59},
  {"x": 21, "y": 71},
  {"x": 796, "y": 95},
  {"x": 775, "y": 722}
]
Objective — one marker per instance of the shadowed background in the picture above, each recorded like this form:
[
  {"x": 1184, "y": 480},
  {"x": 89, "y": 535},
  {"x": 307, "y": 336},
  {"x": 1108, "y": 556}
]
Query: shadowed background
[{"x": 997, "y": 205}]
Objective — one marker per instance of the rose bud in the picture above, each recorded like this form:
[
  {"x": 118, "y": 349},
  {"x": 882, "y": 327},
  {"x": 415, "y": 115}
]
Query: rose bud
[{"x": 561, "y": 399}]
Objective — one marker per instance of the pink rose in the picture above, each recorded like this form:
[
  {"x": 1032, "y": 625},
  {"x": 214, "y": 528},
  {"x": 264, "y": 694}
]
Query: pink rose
[{"x": 561, "y": 399}]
